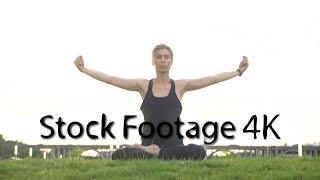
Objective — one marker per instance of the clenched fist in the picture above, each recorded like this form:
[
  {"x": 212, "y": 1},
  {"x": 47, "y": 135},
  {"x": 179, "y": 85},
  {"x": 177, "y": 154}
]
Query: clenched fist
[
  {"x": 79, "y": 63},
  {"x": 244, "y": 64}
]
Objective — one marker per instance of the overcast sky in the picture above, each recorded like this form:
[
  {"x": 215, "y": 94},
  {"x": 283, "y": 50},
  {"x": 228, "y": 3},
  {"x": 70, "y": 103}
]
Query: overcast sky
[{"x": 40, "y": 39}]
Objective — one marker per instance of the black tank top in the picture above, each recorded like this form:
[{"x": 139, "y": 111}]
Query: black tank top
[{"x": 161, "y": 109}]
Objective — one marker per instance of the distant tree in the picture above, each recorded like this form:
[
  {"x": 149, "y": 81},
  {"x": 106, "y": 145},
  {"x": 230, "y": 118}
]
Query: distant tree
[
  {"x": 2, "y": 142},
  {"x": 75, "y": 153},
  {"x": 8, "y": 149},
  {"x": 36, "y": 151}
]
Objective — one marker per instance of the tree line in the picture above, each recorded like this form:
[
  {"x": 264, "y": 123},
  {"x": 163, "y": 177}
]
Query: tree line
[{"x": 7, "y": 149}]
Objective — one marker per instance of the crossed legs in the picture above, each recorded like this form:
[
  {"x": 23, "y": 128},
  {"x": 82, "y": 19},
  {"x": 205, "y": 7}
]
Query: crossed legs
[
  {"x": 177, "y": 152},
  {"x": 152, "y": 149}
]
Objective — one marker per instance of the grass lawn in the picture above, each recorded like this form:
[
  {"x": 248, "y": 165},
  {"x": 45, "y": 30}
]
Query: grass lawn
[{"x": 220, "y": 168}]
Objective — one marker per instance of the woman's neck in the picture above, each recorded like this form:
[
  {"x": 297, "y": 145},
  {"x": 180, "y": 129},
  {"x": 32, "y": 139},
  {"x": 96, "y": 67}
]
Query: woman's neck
[{"x": 162, "y": 79}]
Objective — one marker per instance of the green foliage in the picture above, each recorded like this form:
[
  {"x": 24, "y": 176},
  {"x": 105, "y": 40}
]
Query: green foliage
[
  {"x": 219, "y": 168},
  {"x": 2, "y": 141},
  {"x": 75, "y": 153},
  {"x": 7, "y": 149}
]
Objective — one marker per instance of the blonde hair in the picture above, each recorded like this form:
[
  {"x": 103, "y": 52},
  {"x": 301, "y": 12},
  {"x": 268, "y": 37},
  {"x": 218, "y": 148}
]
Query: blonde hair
[{"x": 161, "y": 46}]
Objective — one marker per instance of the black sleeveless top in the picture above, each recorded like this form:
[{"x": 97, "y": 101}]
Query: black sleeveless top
[{"x": 161, "y": 109}]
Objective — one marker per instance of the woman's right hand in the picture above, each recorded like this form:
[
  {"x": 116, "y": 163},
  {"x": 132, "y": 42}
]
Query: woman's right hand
[{"x": 79, "y": 63}]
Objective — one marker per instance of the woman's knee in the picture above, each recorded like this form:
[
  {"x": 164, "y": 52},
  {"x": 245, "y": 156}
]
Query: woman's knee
[
  {"x": 118, "y": 154},
  {"x": 199, "y": 152}
]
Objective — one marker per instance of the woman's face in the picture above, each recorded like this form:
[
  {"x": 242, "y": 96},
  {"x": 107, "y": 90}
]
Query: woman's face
[{"x": 162, "y": 60}]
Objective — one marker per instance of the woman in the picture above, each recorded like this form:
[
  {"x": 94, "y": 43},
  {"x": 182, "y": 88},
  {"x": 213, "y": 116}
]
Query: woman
[{"x": 161, "y": 103}]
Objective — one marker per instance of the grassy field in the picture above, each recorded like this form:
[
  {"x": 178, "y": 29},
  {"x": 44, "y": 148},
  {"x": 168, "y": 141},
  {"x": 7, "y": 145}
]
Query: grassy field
[{"x": 221, "y": 168}]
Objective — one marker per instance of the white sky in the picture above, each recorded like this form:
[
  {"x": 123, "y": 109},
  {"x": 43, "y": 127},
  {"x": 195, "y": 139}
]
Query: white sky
[{"x": 40, "y": 39}]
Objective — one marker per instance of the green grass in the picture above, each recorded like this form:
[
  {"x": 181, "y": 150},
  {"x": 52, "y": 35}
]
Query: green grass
[{"x": 221, "y": 168}]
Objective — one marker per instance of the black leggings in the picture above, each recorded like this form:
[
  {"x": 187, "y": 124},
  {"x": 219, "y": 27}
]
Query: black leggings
[{"x": 178, "y": 152}]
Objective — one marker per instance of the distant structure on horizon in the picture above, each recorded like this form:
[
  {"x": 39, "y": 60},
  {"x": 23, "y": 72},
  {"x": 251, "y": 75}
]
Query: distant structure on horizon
[{"x": 105, "y": 151}]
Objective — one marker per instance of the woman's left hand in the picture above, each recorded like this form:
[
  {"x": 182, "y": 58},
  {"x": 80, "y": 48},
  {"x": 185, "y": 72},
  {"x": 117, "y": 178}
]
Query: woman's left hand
[{"x": 244, "y": 64}]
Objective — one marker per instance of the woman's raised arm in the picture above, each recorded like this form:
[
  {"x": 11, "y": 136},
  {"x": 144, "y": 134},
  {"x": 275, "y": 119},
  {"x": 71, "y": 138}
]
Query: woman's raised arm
[
  {"x": 194, "y": 84},
  {"x": 127, "y": 84}
]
